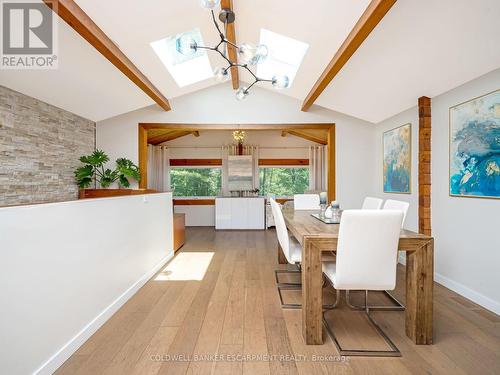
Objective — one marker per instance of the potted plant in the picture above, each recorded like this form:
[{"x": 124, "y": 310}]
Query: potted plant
[{"x": 94, "y": 171}]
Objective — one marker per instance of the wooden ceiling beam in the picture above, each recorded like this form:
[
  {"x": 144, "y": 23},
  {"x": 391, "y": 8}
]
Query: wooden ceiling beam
[
  {"x": 307, "y": 136},
  {"x": 370, "y": 18},
  {"x": 170, "y": 136},
  {"x": 75, "y": 17},
  {"x": 231, "y": 50},
  {"x": 195, "y": 127}
]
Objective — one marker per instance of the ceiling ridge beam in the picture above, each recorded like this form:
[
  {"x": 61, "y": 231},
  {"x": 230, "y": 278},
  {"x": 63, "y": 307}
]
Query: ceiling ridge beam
[
  {"x": 370, "y": 18},
  {"x": 75, "y": 17},
  {"x": 231, "y": 50}
]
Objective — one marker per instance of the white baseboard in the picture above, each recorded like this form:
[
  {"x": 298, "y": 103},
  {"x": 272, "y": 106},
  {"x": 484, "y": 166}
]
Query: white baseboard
[
  {"x": 468, "y": 293},
  {"x": 464, "y": 291},
  {"x": 54, "y": 362}
]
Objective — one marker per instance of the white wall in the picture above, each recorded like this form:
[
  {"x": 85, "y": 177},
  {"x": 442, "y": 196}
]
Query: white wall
[
  {"x": 467, "y": 244},
  {"x": 118, "y": 136},
  {"x": 466, "y": 229},
  {"x": 67, "y": 267}
]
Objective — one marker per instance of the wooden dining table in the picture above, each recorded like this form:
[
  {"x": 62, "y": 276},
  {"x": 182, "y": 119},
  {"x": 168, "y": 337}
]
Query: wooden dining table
[{"x": 317, "y": 237}]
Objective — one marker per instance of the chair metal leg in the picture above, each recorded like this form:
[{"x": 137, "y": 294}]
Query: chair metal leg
[
  {"x": 333, "y": 305},
  {"x": 394, "y": 352},
  {"x": 288, "y": 305},
  {"x": 397, "y": 307},
  {"x": 298, "y": 305},
  {"x": 277, "y": 272}
]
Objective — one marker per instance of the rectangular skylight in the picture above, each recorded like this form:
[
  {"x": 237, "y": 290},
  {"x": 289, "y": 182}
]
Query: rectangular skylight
[
  {"x": 185, "y": 69},
  {"x": 284, "y": 55}
]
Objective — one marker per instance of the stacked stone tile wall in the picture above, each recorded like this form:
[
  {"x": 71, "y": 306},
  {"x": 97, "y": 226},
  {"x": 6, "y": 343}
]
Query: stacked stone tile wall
[{"x": 39, "y": 149}]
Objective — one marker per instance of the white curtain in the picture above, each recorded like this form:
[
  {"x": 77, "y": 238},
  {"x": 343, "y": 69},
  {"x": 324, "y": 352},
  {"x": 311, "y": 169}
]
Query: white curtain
[
  {"x": 318, "y": 168},
  {"x": 158, "y": 168},
  {"x": 233, "y": 150}
]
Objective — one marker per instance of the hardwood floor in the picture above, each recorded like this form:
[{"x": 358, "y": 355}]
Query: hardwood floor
[{"x": 234, "y": 312}]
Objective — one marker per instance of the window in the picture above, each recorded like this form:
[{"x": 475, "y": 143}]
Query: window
[
  {"x": 185, "y": 69},
  {"x": 284, "y": 55},
  {"x": 283, "y": 181},
  {"x": 195, "y": 182}
]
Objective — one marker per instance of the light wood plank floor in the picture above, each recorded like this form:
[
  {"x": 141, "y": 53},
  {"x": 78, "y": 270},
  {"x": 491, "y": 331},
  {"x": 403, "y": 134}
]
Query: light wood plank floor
[{"x": 234, "y": 312}]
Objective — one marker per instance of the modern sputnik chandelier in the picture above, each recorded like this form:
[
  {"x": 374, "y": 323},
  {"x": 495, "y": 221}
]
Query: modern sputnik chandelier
[{"x": 248, "y": 54}]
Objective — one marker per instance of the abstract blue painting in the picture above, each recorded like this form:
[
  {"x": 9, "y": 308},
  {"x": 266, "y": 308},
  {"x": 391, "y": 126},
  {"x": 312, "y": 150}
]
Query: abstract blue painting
[
  {"x": 397, "y": 160},
  {"x": 475, "y": 147}
]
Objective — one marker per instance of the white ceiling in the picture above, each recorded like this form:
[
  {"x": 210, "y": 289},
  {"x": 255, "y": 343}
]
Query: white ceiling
[
  {"x": 422, "y": 47},
  {"x": 85, "y": 83}
]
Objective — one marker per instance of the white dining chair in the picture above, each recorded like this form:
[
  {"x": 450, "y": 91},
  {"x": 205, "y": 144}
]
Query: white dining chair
[
  {"x": 291, "y": 249},
  {"x": 367, "y": 262},
  {"x": 392, "y": 204},
  {"x": 306, "y": 202},
  {"x": 371, "y": 203}
]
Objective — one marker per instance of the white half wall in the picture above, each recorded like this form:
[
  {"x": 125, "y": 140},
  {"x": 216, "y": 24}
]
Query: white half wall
[
  {"x": 467, "y": 245},
  {"x": 118, "y": 136},
  {"x": 67, "y": 267}
]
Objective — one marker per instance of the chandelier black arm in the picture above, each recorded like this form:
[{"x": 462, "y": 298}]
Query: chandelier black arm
[
  {"x": 217, "y": 26},
  {"x": 231, "y": 64}
]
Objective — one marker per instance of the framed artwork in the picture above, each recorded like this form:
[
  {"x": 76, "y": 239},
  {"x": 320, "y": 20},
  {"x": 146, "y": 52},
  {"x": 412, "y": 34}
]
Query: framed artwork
[
  {"x": 397, "y": 160},
  {"x": 240, "y": 173},
  {"x": 475, "y": 147}
]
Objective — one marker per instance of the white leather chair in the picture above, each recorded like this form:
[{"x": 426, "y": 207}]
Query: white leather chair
[
  {"x": 371, "y": 203},
  {"x": 291, "y": 249},
  {"x": 365, "y": 262},
  {"x": 306, "y": 202},
  {"x": 391, "y": 204}
]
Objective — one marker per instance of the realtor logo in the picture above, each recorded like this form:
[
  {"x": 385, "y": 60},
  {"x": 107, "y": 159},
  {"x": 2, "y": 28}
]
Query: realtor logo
[{"x": 28, "y": 35}]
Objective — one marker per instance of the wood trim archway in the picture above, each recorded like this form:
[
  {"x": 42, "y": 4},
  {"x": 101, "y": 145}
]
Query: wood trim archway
[{"x": 287, "y": 128}]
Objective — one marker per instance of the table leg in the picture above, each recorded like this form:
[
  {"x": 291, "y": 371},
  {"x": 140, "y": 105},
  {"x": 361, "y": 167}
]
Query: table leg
[
  {"x": 419, "y": 294},
  {"x": 312, "y": 296},
  {"x": 281, "y": 256}
]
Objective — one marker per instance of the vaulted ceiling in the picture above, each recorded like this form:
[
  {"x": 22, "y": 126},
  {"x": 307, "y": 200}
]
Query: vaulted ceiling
[{"x": 423, "y": 47}]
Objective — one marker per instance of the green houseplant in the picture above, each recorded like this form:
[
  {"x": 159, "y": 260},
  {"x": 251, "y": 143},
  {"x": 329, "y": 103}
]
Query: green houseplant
[{"x": 94, "y": 170}]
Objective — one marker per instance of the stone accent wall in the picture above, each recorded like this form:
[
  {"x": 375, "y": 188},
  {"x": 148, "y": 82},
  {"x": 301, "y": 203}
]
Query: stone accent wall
[{"x": 39, "y": 149}]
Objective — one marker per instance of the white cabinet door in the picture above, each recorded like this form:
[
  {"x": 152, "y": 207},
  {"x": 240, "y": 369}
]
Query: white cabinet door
[
  {"x": 255, "y": 213},
  {"x": 239, "y": 213},
  {"x": 223, "y": 213}
]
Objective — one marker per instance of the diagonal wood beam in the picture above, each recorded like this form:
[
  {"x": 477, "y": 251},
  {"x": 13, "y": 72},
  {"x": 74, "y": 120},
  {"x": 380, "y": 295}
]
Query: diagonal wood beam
[
  {"x": 373, "y": 14},
  {"x": 231, "y": 50},
  {"x": 75, "y": 17},
  {"x": 306, "y": 136},
  {"x": 169, "y": 136}
]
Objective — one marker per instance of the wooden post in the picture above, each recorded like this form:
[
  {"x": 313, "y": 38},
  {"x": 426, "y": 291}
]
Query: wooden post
[
  {"x": 424, "y": 165},
  {"x": 312, "y": 293},
  {"x": 331, "y": 163},
  {"x": 419, "y": 292}
]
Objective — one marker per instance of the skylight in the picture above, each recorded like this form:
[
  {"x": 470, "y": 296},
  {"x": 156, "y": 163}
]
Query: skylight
[
  {"x": 185, "y": 70},
  {"x": 285, "y": 55}
]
